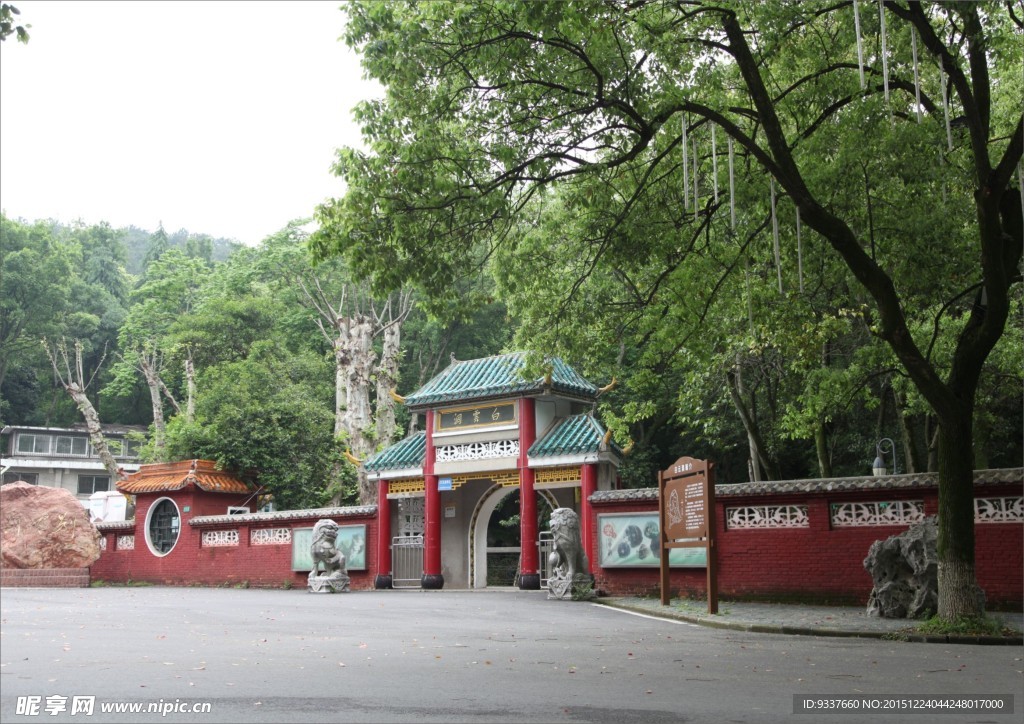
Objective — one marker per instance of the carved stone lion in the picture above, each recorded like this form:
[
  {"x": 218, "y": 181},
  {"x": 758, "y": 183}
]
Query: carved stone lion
[
  {"x": 334, "y": 576},
  {"x": 570, "y": 570}
]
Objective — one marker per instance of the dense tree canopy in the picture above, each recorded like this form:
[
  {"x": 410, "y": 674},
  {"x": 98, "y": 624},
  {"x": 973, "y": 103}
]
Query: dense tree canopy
[{"x": 738, "y": 198}]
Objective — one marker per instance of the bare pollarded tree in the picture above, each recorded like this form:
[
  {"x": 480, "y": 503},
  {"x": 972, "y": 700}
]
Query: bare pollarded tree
[
  {"x": 350, "y": 321},
  {"x": 71, "y": 376}
]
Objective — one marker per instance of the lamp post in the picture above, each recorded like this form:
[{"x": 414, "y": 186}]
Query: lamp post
[{"x": 878, "y": 467}]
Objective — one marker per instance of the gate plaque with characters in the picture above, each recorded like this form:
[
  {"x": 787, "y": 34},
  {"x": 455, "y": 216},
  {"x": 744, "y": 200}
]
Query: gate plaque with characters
[{"x": 686, "y": 505}]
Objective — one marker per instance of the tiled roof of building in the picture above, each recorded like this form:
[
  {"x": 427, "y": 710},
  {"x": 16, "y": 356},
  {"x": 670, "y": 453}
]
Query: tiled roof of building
[
  {"x": 572, "y": 435},
  {"x": 407, "y": 453},
  {"x": 202, "y": 474},
  {"x": 498, "y": 376},
  {"x": 908, "y": 481}
]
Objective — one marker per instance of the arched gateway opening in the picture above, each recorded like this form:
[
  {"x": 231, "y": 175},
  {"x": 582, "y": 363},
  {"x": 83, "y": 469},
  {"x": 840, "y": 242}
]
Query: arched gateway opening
[{"x": 495, "y": 544}]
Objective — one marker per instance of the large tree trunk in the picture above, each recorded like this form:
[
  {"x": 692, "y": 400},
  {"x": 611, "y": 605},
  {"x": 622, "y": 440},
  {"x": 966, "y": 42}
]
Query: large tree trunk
[
  {"x": 387, "y": 380},
  {"x": 73, "y": 380},
  {"x": 147, "y": 365},
  {"x": 821, "y": 447},
  {"x": 92, "y": 424},
  {"x": 342, "y": 360},
  {"x": 911, "y": 450},
  {"x": 753, "y": 464},
  {"x": 358, "y": 417},
  {"x": 959, "y": 594},
  {"x": 757, "y": 454},
  {"x": 190, "y": 381}
]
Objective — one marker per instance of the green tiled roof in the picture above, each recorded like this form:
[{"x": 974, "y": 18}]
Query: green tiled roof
[
  {"x": 407, "y": 453},
  {"x": 497, "y": 376},
  {"x": 573, "y": 435}
]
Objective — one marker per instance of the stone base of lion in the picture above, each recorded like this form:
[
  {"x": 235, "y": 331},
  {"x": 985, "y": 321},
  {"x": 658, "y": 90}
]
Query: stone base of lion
[
  {"x": 578, "y": 588},
  {"x": 336, "y": 582}
]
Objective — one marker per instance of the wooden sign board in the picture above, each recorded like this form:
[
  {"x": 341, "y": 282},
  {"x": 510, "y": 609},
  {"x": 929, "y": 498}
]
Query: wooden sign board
[
  {"x": 686, "y": 508},
  {"x": 686, "y": 503}
]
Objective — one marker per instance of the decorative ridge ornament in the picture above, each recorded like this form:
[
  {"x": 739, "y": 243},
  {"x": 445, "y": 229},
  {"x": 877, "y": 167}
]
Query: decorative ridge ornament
[
  {"x": 395, "y": 396},
  {"x": 352, "y": 458},
  {"x": 609, "y": 387}
]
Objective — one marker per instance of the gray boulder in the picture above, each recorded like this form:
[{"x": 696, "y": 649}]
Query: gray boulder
[{"x": 904, "y": 569}]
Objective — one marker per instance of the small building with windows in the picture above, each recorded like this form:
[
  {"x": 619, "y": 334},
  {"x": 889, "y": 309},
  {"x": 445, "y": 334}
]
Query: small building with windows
[{"x": 60, "y": 457}]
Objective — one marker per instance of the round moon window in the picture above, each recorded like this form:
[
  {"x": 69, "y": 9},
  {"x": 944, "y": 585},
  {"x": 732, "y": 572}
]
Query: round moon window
[{"x": 163, "y": 524}]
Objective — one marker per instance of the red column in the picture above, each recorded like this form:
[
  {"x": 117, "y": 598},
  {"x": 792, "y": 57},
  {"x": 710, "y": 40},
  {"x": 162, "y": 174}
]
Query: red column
[
  {"x": 383, "y": 578},
  {"x": 588, "y": 524},
  {"x": 432, "y": 577},
  {"x": 529, "y": 578}
]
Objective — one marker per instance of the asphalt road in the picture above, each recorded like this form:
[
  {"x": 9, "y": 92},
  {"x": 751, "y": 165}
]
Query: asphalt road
[{"x": 452, "y": 656}]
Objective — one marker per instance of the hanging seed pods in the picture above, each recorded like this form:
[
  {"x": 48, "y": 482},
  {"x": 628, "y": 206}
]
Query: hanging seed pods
[
  {"x": 775, "y": 238},
  {"x": 860, "y": 45}
]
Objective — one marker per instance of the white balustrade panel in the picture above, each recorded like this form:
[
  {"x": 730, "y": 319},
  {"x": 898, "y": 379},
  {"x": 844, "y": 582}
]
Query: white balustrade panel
[
  {"x": 270, "y": 536},
  {"x": 999, "y": 510},
  {"x": 219, "y": 538},
  {"x": 477, "y": 451},
  {"x": 893, "y": 512},
  {"x": 766, "y": 516}
]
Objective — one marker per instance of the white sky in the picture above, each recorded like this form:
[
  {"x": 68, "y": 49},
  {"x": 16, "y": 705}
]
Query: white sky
[{"x": 218, "y": 117}]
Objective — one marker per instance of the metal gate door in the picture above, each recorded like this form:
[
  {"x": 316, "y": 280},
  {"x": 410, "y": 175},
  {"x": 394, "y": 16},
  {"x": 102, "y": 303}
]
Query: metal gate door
[
  {"x": 407, "y": 561},
  {"x": 545, "y": 547}
]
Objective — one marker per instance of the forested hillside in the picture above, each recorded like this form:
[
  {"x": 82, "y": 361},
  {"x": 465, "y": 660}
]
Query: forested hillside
[{"x": 220, "y": 349}]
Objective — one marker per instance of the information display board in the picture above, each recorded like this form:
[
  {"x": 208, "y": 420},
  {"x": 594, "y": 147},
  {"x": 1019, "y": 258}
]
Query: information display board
[
  {"x": 631, "y": 540},
  {"x": 351, "y": 542},
  {"x": 686, "y": 505}
]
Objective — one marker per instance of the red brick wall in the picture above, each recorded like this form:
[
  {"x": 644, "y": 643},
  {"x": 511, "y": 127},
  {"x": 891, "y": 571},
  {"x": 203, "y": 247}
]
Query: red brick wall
[
  {"x": 190, "y": 563},
  {"x": 818, "y": 563}
]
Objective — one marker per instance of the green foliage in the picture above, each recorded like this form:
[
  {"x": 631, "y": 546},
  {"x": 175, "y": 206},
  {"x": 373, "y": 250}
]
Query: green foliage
[
  {"x": 7, "y": 26},
  {"x": 544, "y": 146},
  {"x": 269, "y": 415},
  {"x": 967, "y": 626}
]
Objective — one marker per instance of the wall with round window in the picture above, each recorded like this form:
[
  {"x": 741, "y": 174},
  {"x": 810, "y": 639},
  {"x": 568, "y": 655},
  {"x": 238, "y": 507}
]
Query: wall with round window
[{"x": 163, "y": 524}]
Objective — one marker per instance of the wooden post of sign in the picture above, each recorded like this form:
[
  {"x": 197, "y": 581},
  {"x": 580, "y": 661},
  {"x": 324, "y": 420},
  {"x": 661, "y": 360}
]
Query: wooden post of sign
[
  {"x": 686, "y": 515},
  {"x": 666, "y": 594},
  {"x": 712, "y": 542}
]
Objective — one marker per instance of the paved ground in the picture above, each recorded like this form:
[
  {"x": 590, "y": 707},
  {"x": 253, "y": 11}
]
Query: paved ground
[
  {"x": 805, "y": 620},
  {"x": 459, "y": 656}
]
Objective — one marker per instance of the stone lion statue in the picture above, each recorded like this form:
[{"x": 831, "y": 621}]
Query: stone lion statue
[
  {"x": 570, "y": 570},
  {"x": 333, "y": 577}
]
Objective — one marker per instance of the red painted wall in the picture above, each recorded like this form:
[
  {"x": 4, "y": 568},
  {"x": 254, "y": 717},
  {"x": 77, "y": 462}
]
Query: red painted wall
[
  {"x": 814, "y": 564},
  {"x": 818, "y": 563},
  {"x": 190, "y": 563}
]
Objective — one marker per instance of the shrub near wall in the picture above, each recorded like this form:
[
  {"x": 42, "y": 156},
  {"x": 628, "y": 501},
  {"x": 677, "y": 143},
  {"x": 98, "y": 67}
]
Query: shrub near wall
[
  {"x": 807, "y": 540},
  {"x": 252, "y": 549}
]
